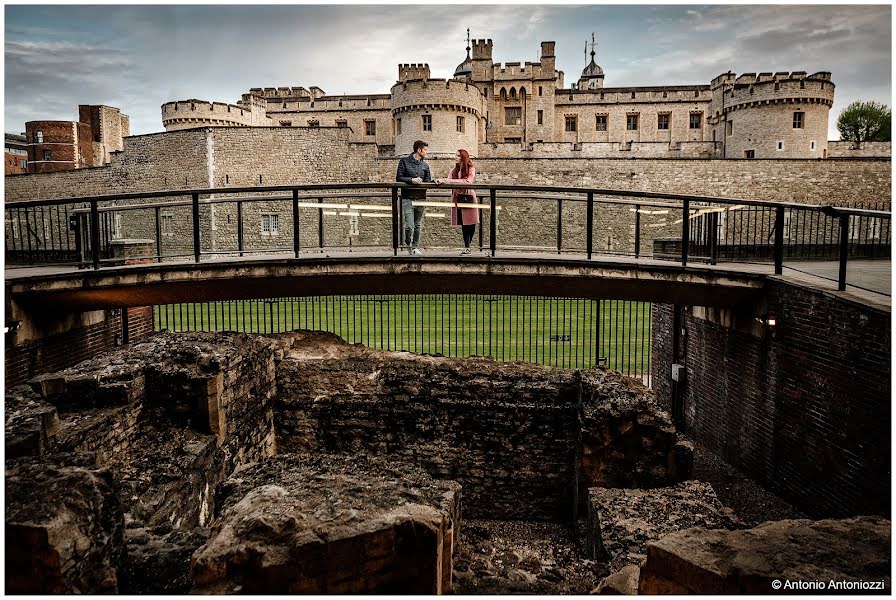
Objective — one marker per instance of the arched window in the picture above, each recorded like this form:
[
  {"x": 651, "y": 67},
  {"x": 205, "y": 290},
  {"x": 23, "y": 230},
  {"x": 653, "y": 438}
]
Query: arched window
[
  {"x": 513, "y": 93},
  {"x": 522, "y": 92},
  {"x": 503, "y": 93}
]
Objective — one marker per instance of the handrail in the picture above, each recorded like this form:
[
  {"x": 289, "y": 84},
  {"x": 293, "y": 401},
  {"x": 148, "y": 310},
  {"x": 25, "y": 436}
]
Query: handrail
[
  {"x": 312, "y": 196},
  {"x": 390, "y": 185}
]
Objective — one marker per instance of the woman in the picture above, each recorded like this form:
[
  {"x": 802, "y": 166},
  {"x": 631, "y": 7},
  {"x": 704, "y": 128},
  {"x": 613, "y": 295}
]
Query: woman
[{"x": 466, "y": 217}]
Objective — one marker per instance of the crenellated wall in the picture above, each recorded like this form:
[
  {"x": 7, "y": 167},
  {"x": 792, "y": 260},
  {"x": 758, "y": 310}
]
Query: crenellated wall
[{"x": 190, "y": 114}]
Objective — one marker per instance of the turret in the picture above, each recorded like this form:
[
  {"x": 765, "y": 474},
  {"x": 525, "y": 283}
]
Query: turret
[{"x": 410, "y": 72}]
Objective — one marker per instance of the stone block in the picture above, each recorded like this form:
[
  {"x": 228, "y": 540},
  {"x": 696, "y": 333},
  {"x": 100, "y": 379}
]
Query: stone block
[
  {"x": 330, "y": 524},
  {"x": 64, "y": 529},
  {"x": 623, "y": 581},
  {"x": 31, "y": 424},
  {"x": 700, "y": 561}
]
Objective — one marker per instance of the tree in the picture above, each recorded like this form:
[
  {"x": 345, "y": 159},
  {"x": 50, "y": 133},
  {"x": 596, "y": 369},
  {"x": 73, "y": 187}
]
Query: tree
[{"x": 864, "y": 122}]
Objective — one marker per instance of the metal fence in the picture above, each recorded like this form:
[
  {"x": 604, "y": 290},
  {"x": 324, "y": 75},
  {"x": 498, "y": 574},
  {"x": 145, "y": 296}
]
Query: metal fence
[
  {"x": 293, "y": 219},
  {"x": 564, "y": 332}
]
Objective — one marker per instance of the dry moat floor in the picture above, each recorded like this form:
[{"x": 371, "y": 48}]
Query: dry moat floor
[{"x": 524, "y": 557}]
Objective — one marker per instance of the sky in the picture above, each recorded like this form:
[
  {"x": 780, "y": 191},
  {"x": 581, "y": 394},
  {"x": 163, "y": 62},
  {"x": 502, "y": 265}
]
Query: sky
[{"x": 138, "y": 57}]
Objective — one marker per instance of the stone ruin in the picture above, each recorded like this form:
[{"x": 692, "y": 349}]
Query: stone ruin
[{"x": 297, "y": 463}]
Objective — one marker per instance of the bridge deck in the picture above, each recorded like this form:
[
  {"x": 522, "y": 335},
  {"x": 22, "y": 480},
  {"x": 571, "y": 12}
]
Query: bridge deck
[{"x": 869, "y": 281}]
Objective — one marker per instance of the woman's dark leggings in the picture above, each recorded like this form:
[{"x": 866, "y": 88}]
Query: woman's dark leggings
[{"x": 468, "y": 230}]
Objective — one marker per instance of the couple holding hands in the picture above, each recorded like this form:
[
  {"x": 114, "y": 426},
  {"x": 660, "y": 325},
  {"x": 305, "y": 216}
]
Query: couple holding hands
[{"x": 414, "y": 169}]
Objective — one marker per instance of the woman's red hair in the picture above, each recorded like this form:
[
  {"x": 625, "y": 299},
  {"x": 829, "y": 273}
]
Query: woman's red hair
[{"x": 463, "y": 166}]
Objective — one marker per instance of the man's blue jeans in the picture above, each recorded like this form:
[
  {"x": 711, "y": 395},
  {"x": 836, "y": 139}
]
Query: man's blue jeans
[{"x": 413, "y": 222}]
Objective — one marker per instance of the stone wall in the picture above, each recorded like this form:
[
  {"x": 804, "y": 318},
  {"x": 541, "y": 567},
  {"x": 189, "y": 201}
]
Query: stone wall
[
  {"x": 804, "y": 409},
  {"x": 860, "y": 149},
  {"x": 243, "y": 156},
  {"x": 521, "y": 439}
]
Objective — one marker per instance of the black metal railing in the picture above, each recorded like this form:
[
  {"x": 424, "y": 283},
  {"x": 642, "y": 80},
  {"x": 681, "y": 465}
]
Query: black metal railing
[
  {"x": 180, "y": 224},
  {"x": 559, "y": 332}
]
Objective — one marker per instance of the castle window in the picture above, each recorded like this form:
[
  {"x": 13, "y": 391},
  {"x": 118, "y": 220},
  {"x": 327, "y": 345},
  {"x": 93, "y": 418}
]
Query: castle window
[
  {"x": 631, "y": 122},
  {"x": 513, "y": 93},
  {"x": 749, "y": 154},
  {"x": 369, "y": 127},
  {"x": 460, "y": 124},
  {"x": 166, "y": 224},
  {"x": 270, "y": 224},
  {"x": 341, "y": 123},
  {"x": 39, "y": 137},
  {"x": 777, "y": 86},
  {"x": 802, "y": 84},
  {"x": 696, "y": 93},
  {"x": 539, "y": 90},
  {"x": 665, "y": 94},
  {"x": 397, "y": 126},
  {"x": 798, "y": 120},
  {"x": 780, "y": 145},
  {"x": 696, "y": 121},
  {"x": 47, "y": 155},
  {"x": 601, "y": 95},
  {"x": 312, "y": 123},
  {"x": 353, "y": 228},
  {"x": 601, "y": 123},
  {"x": 285, "y": 123},
  {"x": 812, "y": 146},
  {"x": 540, "y": 115},
  {"x": 729, "y": 127},
  {"x": 571, "y": 123},
  {"x": 662, "y": 120},
  {"x": 633, "y": 95},
  {"x": 513, "y": 116},
  {"x": 512, "y": 140},
  {"x": 427, "y": 122}
]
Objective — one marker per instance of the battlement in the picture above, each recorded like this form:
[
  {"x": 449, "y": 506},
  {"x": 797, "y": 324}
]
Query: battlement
[
  {"x": 482, "y": 49},
  {"x": 408, "y": 72},
  {"x": 286, "y": 93},
  {"x": 187, "y": 114},
  {"x": 769, "y": 77}
]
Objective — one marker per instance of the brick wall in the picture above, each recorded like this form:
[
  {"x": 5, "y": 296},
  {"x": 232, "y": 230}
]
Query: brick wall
[
  {"x": 859, "y": 150},
  {"x": 807, "y": 411},
  {"x": 63, "y": 350}
]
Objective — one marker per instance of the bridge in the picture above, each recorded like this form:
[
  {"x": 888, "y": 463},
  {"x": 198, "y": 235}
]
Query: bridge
[{"x": 69, "y": 258}]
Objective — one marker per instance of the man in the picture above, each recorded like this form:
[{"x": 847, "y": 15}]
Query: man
[{"x": 413, "y": 169}]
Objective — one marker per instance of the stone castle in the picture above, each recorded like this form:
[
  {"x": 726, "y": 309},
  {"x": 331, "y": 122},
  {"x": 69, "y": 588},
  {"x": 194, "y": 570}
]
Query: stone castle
[{"x": 497, "y": 110}]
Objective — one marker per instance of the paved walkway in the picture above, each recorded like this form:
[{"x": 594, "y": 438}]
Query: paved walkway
[{"x": 868, "y": 281}]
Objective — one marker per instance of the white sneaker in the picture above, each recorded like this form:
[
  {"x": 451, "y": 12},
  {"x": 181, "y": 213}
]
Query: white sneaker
[
  {"x": 416, "y": 252},
  {"x": 465, "y": 252}
]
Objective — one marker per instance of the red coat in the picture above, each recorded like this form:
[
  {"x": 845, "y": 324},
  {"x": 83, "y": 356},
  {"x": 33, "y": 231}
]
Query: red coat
[{"x": 470, "y": 215}]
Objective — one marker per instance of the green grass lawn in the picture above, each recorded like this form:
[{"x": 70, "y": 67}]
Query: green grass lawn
[{"x": 571, "y": 333}]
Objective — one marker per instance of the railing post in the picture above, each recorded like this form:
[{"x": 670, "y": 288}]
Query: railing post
[
  {"x": 685, "y": 232},
  {"x": 779, "y": 240},
  {"x": 559, "y": 225},
  {"x": 125, "y": 328},
  {"x": 589, "y": 225},
  {"x": 95, "y": 233},
  {"x": 295, "y": 221},
  {"x": 196, "y": 240},
  {"x": 844, "y": 250},
  {"x": 159, "y": 234},
  {"x": 493, "y": 221},
  {"x": 239, "y": 226},
  {"x": 394, "y": 221},
  {"x": 637, "y": 230},
  {"x": 320, "y": 225}
]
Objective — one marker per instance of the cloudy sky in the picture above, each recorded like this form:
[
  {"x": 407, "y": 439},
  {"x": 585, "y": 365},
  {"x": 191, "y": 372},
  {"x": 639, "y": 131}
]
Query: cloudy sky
[{"x": 138, "y": 57}]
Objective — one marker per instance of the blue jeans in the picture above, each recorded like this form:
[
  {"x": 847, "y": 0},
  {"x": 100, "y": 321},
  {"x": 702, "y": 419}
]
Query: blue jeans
[{"x": 413, "y": 222}]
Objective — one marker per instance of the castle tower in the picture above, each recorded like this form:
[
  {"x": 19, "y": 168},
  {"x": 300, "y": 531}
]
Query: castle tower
[{"x": 773, "y": 115}]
